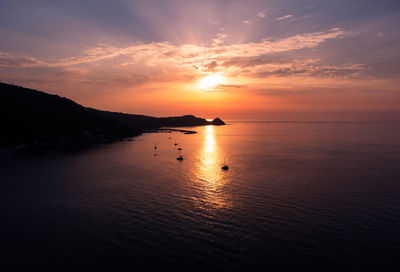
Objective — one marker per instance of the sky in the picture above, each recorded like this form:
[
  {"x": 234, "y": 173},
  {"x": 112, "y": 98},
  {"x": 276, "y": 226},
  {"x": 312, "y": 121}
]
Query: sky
[{"x": 297, "y": 60}]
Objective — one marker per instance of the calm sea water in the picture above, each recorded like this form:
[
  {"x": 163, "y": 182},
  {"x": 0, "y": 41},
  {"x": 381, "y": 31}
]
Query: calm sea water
[{"x": 297, "y": 196}]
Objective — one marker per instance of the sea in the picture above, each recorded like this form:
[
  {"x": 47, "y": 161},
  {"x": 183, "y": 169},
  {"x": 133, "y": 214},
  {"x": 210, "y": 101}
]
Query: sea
[{"x": 298, "y": 196}]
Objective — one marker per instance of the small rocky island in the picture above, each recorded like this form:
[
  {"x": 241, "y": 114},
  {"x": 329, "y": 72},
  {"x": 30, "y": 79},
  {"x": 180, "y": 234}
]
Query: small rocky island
[{"x": 34, "y": 117}]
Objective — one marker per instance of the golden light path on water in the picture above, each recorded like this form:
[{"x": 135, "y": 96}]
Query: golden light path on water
[{"x": 212, "y": 178}]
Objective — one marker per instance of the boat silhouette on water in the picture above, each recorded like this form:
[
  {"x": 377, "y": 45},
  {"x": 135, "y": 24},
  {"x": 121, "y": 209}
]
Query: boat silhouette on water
[
  {"x": 180, "y": 158},
  {"x": 225, "y": 167}
]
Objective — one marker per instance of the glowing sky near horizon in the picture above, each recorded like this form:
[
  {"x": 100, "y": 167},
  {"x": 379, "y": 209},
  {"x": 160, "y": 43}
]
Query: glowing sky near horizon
[{"x": 264, "y": 60}]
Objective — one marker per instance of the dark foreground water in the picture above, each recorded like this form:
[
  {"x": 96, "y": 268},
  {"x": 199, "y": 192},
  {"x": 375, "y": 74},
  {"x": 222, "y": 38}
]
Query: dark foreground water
[{"x": 298, "y": 196}]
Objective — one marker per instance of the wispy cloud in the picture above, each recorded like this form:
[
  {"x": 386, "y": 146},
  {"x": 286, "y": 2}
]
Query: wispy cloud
[
  {"x": 185, "y": 55},
  {"x": 312, "y": 69},
  {"x": 93, "y": 54},
  {"x": 262, "y": 14},
  {"x": 219, "y": 39},
  {"x": 162, "y": 52},
  {"x": 8, "y": 60},
  {"x": 164, "y": 61},
  {"x": 288, "y": 16}
]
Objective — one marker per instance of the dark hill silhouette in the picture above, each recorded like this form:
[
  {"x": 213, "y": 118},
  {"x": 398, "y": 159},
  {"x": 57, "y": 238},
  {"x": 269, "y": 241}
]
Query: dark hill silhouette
[
  {"x": 217, "y": 122},
  {"x": 144, "y": 121},
  {"x": 29, "y": 116}
]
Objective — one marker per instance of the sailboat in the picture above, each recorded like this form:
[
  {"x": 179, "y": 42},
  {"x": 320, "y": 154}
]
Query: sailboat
[
  {"x": 175, "y": 143},
  {"x": 180, "y": 158},
  {"x": 225, "y": 167},
  {"x": 155, "y": 150}
]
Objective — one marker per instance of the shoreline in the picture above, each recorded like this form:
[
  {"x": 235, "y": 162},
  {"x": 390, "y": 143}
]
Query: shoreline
[{"x": 62, "y": 144}]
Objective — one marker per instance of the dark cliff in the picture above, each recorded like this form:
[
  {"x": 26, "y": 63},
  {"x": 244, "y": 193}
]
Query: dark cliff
[{"x": 28, "y": 116}]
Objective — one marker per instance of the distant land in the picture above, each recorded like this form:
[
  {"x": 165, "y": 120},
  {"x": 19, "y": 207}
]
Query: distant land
[{"x": 31, "y": 117}]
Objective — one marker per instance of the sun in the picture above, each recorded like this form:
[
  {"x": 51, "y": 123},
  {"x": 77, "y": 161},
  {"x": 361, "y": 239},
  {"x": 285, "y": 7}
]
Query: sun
[{"x": 211, "y": 81}]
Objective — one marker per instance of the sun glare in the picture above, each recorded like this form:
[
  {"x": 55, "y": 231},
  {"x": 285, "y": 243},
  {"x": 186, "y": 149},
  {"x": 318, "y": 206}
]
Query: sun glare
[{"x": 211, "y": 81}]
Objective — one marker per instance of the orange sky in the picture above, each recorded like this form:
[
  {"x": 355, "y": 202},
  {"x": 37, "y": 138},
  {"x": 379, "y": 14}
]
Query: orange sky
[{"x": 271, "y": 60}]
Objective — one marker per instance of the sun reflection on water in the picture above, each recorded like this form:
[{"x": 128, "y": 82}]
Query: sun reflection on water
[{"x": 209, "y": 174}]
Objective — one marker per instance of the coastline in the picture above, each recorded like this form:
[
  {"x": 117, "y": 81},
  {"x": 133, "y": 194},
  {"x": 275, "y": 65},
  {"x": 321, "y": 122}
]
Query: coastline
[
  {"x": 38, "y": 120},
  {"x": 63, "y": 144}
]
